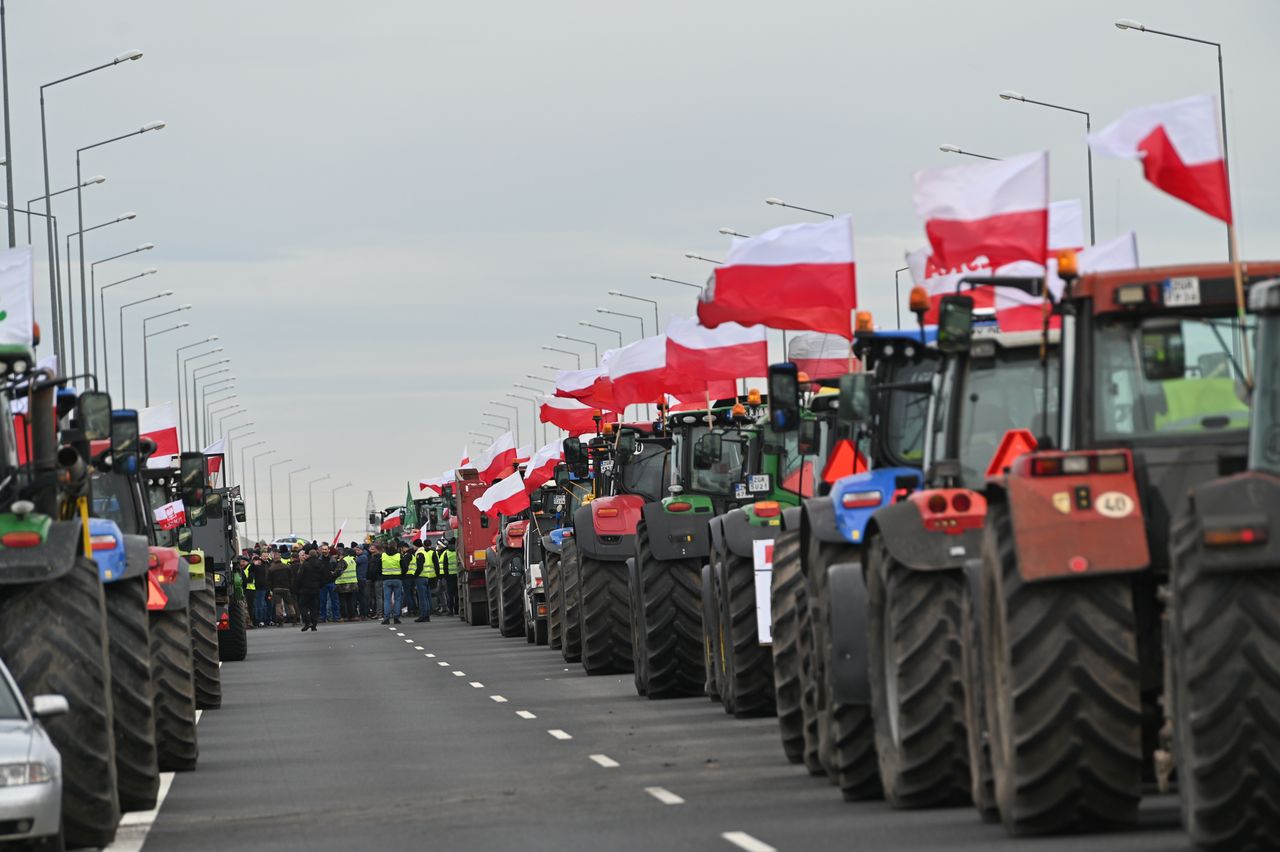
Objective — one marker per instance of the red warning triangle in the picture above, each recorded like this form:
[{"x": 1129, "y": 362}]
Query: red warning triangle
[
  {"x": 845, "y": 461},
  {"x": 1016, "y": 442},
  {"x": 156, "y": 597}
]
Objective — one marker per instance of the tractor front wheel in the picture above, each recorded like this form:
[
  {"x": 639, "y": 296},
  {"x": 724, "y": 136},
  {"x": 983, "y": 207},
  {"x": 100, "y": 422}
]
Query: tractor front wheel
[
  {"x": 204, "y": 649},
  {"x": 173, "y": 676},
  {"x": 511, "y": 600},
  {"x": 788, "y": 688},
  {"x": 748, "y": 666},
  {"x": 670, "y": 620},
  {"x": 571, "y": 620},
  {"x": 555, "y": 603},
  {"x": 606, "y": 620},
  {"x": 710, "y": 636}
]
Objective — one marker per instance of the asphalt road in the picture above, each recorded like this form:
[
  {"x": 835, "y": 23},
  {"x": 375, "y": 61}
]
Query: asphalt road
[{"x": 453, "y": 737}]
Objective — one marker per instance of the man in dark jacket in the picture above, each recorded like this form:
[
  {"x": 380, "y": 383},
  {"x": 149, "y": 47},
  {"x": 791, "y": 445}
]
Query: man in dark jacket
[
  {"x": 317, "y": 571},
  {"x": 373, "y": 580},
  {"x": 262, "y": 601},
  {"x": 281, "y": 575},
  {"x": 362, "y": 579}
]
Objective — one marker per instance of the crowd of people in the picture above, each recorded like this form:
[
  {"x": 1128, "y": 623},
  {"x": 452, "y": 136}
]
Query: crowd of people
[{"x": 310, "y": 583}]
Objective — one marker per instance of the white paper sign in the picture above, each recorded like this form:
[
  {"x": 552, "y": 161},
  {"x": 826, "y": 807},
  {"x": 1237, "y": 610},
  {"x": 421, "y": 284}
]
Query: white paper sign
[
  {"x": 762, "y": 556},
  {"x": 17, "y": 296}
]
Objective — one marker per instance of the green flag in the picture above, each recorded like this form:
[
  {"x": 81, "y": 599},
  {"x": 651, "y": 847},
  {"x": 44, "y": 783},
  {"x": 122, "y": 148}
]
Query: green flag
[{"x": 410, "y": 511}]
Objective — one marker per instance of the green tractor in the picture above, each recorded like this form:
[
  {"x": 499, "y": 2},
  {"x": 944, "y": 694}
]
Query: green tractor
[{"x": 219, "y": 540}]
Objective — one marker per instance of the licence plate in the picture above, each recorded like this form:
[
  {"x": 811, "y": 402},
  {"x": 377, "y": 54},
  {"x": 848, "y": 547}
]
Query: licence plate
[{"x": 1182, "y": 292}]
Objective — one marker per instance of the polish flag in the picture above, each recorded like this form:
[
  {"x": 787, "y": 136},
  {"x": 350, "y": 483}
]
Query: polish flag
[
  {"x": 542, "y": 466},
  {"x": 1017, "y": 310},
  {"x": 160, "y": 425},
  {"x": 170, "y": 516},
  {"x": 497, "y": 459},
  {"x": 820, "y": 356},
  {"x": 986, "y": 214},
  {"x": 1180, "y": 146},
  {"x": 793, "y": 277},
  {"x": 338, "y": 535},
  {"x": 507, "y": 496},
  {"x": 215, "y": 452},
  {"x": 696, "y": 400},
  {"x": 590, "y": 387},
  {"x": 730, "y": 351},
  {"x": 393, "y": 520},
  {"x": 466, "y": 457},
  {"x": 571, "y": 415},
  {"x": 524, "y": 453},
  {"x": 639, "y": 371},
  {"x": 437, "y": 483}
]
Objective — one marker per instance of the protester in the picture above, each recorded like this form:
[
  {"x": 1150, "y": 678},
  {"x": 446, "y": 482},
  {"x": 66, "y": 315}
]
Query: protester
[
  {"x": 318, "y": 570},
  {"x": 347, "y": 587},
  {"x": 281, "y": 578},
  {"x": 362, "y": 579},
  {"x": 261, "y": 607},
  {"x": 424, "y": 573},
  {"x": 374, "y": 581},
  {"x": 392, "y": 587},
  {"x": 449, "y": 571}
]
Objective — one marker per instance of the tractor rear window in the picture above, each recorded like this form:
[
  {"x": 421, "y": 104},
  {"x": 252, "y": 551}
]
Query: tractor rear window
[
  {"x": 904, "y": 414},
  {"x": 646, "y": 473},
  {"x": 1003, "y": 393},
  {"x": 1169, "y": 376}
]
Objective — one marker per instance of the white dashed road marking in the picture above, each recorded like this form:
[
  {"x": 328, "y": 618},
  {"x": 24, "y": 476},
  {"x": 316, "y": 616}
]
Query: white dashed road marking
[
  {"x": 442, "y": 663},
  {"x": 477, "y": 684},
  {"x": 399, "y": 634},
  {"x": 745, "y": 841},
  {"x": 497, "y": 699},
  {"x": 559, "y": 734},
  {"x": 662, "y": 794},
  {"x": 459, "y": 674},
  {"x": 432, "y": 656},
  {"x": 417, "y": 647},
  {"x": 604, "y": 760},
  {"x": 525, "y": 714}
]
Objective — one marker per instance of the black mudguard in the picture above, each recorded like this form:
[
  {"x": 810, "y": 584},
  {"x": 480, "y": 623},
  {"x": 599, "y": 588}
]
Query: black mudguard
[
  {"x": 819, "y": 521},
  {"x": 548, "y": 546},
  {"x": 179, "y": 591},
  {"x": 49, "y": 561},
  {"x": 137, "y": 556},
  {"x": 847, "y": 607},
  {"x": 738, "y": 533},
  {"x": 1246, "y": 500},
  {"x": 791, "y": 517},
  {"x": 591, "y": 546},
  {"x": 672, "y": 535},
  {"x": 902, "y": 530}
]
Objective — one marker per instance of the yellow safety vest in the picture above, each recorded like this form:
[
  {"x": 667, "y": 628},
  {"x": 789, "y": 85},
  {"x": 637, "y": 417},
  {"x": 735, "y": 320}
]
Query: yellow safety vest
[
  {"x": 428, "y": 568},
  {"x": 348, "y": 574},
  {"x": 450, "y": 559},
  {"x": 391, "y": 565}
]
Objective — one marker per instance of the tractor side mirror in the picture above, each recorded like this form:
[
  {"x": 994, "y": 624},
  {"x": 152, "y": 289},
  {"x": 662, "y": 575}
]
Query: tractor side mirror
[
  {"x": 807, "y": 438},
  {"x": 562, "y": 476},
  {"x": 854, "y": 405},
  {"x": 708, "y": 451},
  {"x": 374, "y": 519},
  {"x": 535, "y": 501},
  {"x": 93, "y": 410},
  {"x": 184, "y": 538},
  {"x": 239, "y": 511},
  {"x": 626, "y": 446},
  {"x": 955, "y": 323},
  {"x": 484, "y": 521},
  {"x": 193, "y": 480},
  {"x": 574, "y": 453},
  {"x": 784, "y": 396},
  {"x": 124, "y": 441},
  {"x": 1164, "y": 353}
]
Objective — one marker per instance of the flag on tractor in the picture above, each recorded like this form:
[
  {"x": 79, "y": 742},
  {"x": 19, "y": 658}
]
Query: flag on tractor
[{"x": 410, "y": 510}]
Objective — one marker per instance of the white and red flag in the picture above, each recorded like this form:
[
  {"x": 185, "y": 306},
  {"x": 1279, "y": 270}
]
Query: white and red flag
[
  {"x": 215, "y": 453},
  {"x": 590, "y": 387},
  {"x": 986, "y": 214},
  {"x": 794, "y": 277},
  {"x": 1018, "y": 310},
  {"x": 507, "y": 496},
  {"x": 542, "y": 466},
  {"x": 436, "y": 483},
  {"x": 820, "y": 356},
  {"x": 639, "y": 371},
  {"x": 498, "y": 458},
  {"x": 572, "y": 416},
  {"x": 392, "y": 520},
  {"x": 160, "y": 424},
  {"x": 338, "y": 535},
  {"x": 466, "y": 457},
  {"x": 523, "y": 454},
  {"x": 1180, "y": 146},
  {"x": 697, "y": 354},
  {"x": 170, "y": 516}
]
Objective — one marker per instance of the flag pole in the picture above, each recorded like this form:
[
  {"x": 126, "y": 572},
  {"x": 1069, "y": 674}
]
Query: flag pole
[{"x": 1238, "y": 269}]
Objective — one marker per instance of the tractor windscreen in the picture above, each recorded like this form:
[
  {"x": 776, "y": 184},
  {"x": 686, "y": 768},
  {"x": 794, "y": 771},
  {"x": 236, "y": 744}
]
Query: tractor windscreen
[
  {"x": 724, "y": 473},
  {"x": 801, "y": 474},
  {"x": 158, "y": 494},
  {"x": 1169, "y": 376},
  {"x": 905, "y": 413},
  {"x": 113, "y": 499},
  {"x": 645, "y": 473}
]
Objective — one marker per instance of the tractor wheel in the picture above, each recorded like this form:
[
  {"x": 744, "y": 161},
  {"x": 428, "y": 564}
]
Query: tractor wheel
[
  {"x": 233, "y": 643},
  {"x": 847, "y": 740},
  {"x": 635, "y": 593},
  {"x": 204, "y": 649},
  {"x": 492, "y": 588},
  {"x": 723, "y": 633},
  {"x": 1224, "y": 647},
  {"x": 817, "y": 558},
  {"x": 787, "y": 686},
  {"x": 671, "y": 620},
  {"x": 539, "y": 632},
  {"x": 982, "y": 788},
  {"x": 571, "y": 620},
  {"x": 710, "y": 637},
  {"x": 1063, "y": 706},
  {"x": 53, "y": 637},
  {"x": 914, "y": 637},
  {"x": 477, "y": 608},
  {"x": 808, "y": 683},
  {"x": 511, "y": 601},
  {"x": 606, "y": 619},
  {"x": 132, "y": 695},
  {"x": 174, "y": 680},
  {"x": 555, "y": 603},
  {"x": 748, "y": 666}
]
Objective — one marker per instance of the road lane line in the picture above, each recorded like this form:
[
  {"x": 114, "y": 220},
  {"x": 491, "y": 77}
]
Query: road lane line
[
  {"x": 418, "y": 648},
  {"x": 442, "y": 663},
  {"x": 604, "y": 760},
  {"x": 477, "y": 684},
  {"x": 497, "y": 699},
  {"x": 662, "y": 794},
  {"x": 459, "y": 674},
  {"x": 408, "y": 641},
  {"x": 432, "y": 656},
  {"x": 399, "y": 634},
  {"x": 745, "y": 841},
  {"x": 559, "y": 734},
  {"x": 525, "y": 714}
]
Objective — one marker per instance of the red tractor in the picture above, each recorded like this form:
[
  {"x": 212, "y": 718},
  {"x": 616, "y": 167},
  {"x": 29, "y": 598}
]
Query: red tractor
[{"x": 475, "y": 536}]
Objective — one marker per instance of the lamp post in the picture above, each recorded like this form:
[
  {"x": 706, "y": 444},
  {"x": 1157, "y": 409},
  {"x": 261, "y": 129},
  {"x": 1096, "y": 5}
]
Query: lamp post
[
  {"x": 488, "y": 438},
  {"x": 221, "y": 428},
  {"x": 232, "y": 437},
  {"x": 656, "y": 277},
  {"x": 333, "y": 508},
  {"x": 102, "y": 296},
  {"x": 778, "y": 202},
  {"x": 84, "y": 308},
  {"x": 290, "y": 481},
  {"x": 535, "y": 412},
  {"x": 515, "y": 416},
  {"x": 179, "y": 367},
  {"x": 55, "y": 285},
  {"x": 257, "y": 521},
  {"x": 953, "y": 149},
  {"x": 124, "y": 217},
  {"x": 601, "y": 328},
  {"x": 574, "y": 355},
  {"x": 505, "y": 419},
  {"x": 93, "y": 294},
  {"x": 546, "y": 379},
  {"x": 654, "y": 302},
  {"x": 216, "y": 415},
  {"x": 216, "y": 406},
  {"x": 88, "y": 182},
  {"x": 636, "y": 317},
  {"x": 695, "y": 256},
  {"x": 124, "y": 394},
  {"x": 146, "y": 372},
  {"x": 127, "y": 56},
  {"x": 591, "y": 343},
  {"x": 193, "y": 391},
  {"x": 311, "y": 512},
  {"x": 1008, "y": 95},
  {"x": 146, "y": 375},
  {"x": 271, "y": 491}
]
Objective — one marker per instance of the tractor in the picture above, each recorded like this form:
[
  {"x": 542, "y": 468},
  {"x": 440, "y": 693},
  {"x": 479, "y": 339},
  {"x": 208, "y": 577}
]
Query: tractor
[
  {"x": 475, "y": 535},
  {"x": 543, "y": 510},
  {"x": 504, "y": 575},
  {"x": 575, "y": 487},
  {"x": 219, "y": 540}
]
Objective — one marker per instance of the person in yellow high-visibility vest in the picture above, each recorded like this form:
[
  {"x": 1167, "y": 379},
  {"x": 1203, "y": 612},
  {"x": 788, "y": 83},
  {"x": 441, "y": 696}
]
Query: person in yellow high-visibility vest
[
  {"x": 447, "y": 568},
  {"x": 424, "y": 571},
  {"x": 392, "y": 586},
  {"x": 347, "y": 586}
]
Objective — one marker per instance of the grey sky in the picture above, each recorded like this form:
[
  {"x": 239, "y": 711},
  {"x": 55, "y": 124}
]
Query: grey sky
[{"x": 384, "y": 208}]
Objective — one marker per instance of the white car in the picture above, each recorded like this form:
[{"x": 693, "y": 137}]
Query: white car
[{"x": 30, "y": 768}]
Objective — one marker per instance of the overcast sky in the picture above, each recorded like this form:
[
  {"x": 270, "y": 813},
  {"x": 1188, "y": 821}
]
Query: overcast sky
[{"x": 385, "y": 208}]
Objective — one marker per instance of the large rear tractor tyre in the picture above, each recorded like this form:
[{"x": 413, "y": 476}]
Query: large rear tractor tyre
[
  {"x": 670, "y": 607},
  {"x": 132, "y": 694},
  {"x": 635, "y": 593},
  {"x": 710, "y": 636},
  {"x": 748, "y": 665},
  {"x": 571, "y": 637},
  {"x": 204, "y": 649},
  {"x": 982, "y": 788},
  {"x": 173, "y": 677},
  {"x": 915, "y": 638},
  {"x": 606, "y": 617},
  {"x": 788, "y": 689},
  {"x": 492, "y": 589},
  {"x": 511, "y": 601},
  {"x": 1225, "y": 657},
  {"x": 846, "y": 738},
  {"x": 233, "y": 643},
  {"x": 53, "y": 638},
  {"x": 808, "y": 684},
  {"x": 555, "y": 601},
  {"x": 1064, "y": 713}
]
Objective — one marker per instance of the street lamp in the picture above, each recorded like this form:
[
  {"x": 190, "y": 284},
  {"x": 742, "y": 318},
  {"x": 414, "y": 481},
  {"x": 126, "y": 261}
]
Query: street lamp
[
  {"x": 778, "y": 202},
  {"x": 598, "y": 328},
  {"x": 232, "y": 408},
  {"x": 311, "y": 513},
  {"x": 221, "y": 429},
  {"x": 730, "y": 232},
  {"x": 695, "y": 256},
  {"x": 290, "y": 480},
  {"x": 146, "y": 375},
  {"x": 591, "y": 343},
  {"x": 88, "y": 182},
  {"x": 516, "y": 416},
  {"x": 535, "y": 410},
  {"x": 179, "y": 367},
  {"x": 639, "y": 319},
  {"x": 146, "y": 372},
  {"x": 124, "y": 395},
  {"x": 540, "y": 379},
  {"x": 271, "y": 491},
  {"x": 257, "y": 521},
  {"x": 84, "y": 307},
  {"x": 502, "y": 417},
  {"x": 333, "y": 496},
  {"x": 102, "y": 315},
  {"x": 654, "y": 302},
  {"x": 232, "y": 437},
  {"x": 656, "y": 277},
  {"x": 124, "y": 217},
  {"x": 1010, "y": 95},
  {"x": 93, "y": 293},
  {"x": 219, "y": 404},
  {"x": 127, "y": 56},
  {"x": 953, "y": 149},
  {"x": 573, "y": 355},
  {"x": 193, "y": 387}
]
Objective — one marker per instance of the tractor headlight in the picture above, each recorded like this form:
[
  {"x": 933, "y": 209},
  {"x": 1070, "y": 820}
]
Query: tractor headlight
[{"x": 218, "y": 578}]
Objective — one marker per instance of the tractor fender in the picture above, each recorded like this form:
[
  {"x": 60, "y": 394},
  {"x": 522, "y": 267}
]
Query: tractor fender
[
  {"x": 847, "y": 628},
  {"x": 791, "y": 518},
  {"x": 50, "y": 561},
  {"x": 819, "y": 521},
  {"x": 608, "y": 539},
  {"x": 901, "y": 527},
  {"x": 884, "y": 486},
  {"x": 170, "y": 564},
  {"x": 111, "y": 561},
  {"x": 715, "y": 528},
  {"x": 137, "y": 555},
  {"x": 1249, "y": 500},
  {"x": 552, "y": 543},
  {"x": 513, "y": 535},
  {"x": 739, "y": 533},
  {"x": 676, "y": 535}
]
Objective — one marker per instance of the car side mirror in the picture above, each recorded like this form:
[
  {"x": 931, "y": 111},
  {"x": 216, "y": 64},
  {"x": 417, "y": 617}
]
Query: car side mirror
[
  {"x": 562, "y": 476},
  {"x": 574, "y": 453},
  {"x": 1163, "y": 351},
  {"x": 93, "y": 411},
  {"x": 784, "y": 396},
  {"x": 708, "y": 451},
  {"x": 955, "y": 323},
  {"x": 47, "y": 706},
  {"x": 124, "y": 441},
  {"x": 626, "y": 446}
]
